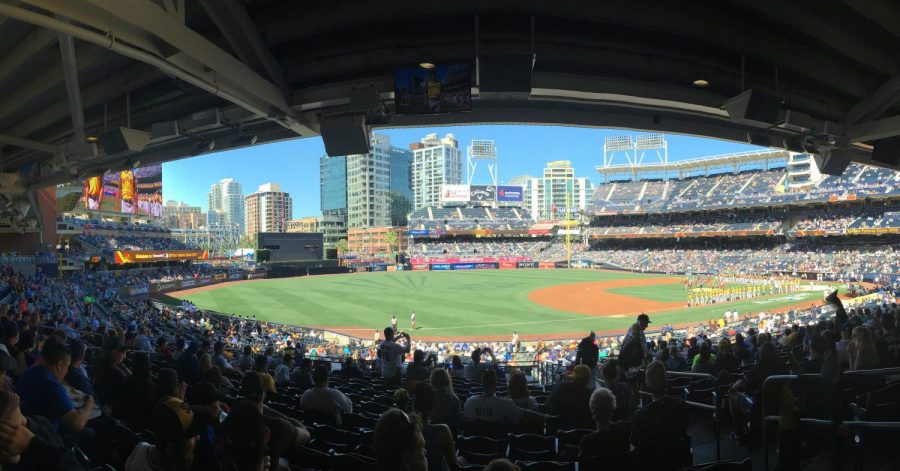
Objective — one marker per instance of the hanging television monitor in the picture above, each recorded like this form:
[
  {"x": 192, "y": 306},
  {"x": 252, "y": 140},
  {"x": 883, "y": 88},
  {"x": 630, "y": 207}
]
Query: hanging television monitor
[{"x": 443, "y": 88}]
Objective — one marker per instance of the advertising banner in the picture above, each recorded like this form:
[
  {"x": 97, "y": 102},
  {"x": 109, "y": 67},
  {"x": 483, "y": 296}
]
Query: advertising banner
[
  {"x": 874, "y": 230},
  {"x": 235, "y": 276},
  {"x": 526, "y": 264},
  {"x": 487, "y": 266},
  {"x": 206, "y": 280},
  {"x": 507, "y": 265},
  {"x": 509, "y": 194},
  {"x": 419, "y": 266},
  {"x": 167, "y": 286},
  {"x": 188, "y": 283},
  {"x": 418, "y": 232},
  {"x": 482, "y": 193},
  {"x": 454, "y": 193},
  {"x": 538, "y": 231},
  {"x": 462, "y": 266},
  {"x": 220, "y": 277},
  {"x": 139, "y": 290},
  {"x": 379, "y": 267},
  {"x": 440, "y": 266},
  {"x": 147, "y": 256},
  {"x": 257, "y": 275},
  {"x": 546, "y": 265}
]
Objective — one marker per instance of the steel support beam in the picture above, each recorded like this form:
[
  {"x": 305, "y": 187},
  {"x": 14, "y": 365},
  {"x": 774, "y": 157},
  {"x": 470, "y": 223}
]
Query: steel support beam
[
  {"x": 234, "y": 22},
  {"x": 35, "y": 42},
  {"x": 73, "y": 91},
  {"x": 27, "y": 144},
  {"x": 873, "y": 130},
  {"x": 877, "y": 103}
]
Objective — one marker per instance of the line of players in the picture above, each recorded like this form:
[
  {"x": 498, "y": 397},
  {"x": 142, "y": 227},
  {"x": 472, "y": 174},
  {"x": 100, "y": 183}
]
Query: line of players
[{"x": 714, "y": 290}]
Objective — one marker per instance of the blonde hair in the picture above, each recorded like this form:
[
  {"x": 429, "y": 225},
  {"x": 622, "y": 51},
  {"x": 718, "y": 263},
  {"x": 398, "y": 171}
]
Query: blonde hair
[
  {"x": 866, "y": 356},
  {"x": 441, "y": 378},
  {"x": 205, "y": 364}
]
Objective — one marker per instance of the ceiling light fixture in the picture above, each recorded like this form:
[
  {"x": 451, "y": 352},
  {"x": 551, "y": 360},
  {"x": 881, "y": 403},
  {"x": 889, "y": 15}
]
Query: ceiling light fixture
[
  {"x": 426, "y": 65},
  {"x": 701, "y": 82},
  {"x": 92, "y": 139}
]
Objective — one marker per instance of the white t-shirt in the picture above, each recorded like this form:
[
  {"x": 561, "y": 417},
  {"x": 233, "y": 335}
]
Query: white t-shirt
[
  {"x": 139, "y": 459},
  {"x": 391, "y": 359},
  {"x": 492, "y": 409},
  {"x": 327, "y": 401}
]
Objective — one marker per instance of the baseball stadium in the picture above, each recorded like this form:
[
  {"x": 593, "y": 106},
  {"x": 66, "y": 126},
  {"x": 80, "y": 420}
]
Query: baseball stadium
[{"x": 600, "y": 304}]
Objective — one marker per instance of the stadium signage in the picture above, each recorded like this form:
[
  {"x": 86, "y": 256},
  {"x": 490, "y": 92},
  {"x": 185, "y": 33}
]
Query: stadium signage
[
  {"x": 149, "y": 256},
  {"x": 167, "y": 286},
  {"x": 419, "y": 266},
  {"x": 139, "y": 290},
  {"x": 509, "y": 194},
  {"x": 440, "y": 266},
  {"x": 454, "y": 193},
  {"x": 462, "y": 266},
  {"x": 235, "y": 276},
  {"x": 206, "y": 280},
  {"x": 188, "y": 283},
  {"x": 418, "y": 232},
  {"x": 257, "y": 275},
  {"x": 220, "y": 277},
  {"x": 486, "y": 193},
  {"x": 507, "y": 265},
  {"x": 526, "y": 264},
  {"x": 875, "y": 230}
]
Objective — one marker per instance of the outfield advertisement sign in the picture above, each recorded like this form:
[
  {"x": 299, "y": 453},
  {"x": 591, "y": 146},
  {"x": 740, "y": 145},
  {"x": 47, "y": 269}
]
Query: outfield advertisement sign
[
  {"x": 176, "y": 285},
  {"x": 257, "y": 275},
  {"x": 509, "y": 194},
  {"x": 421, "y": 260},
  {"x": 235, "y": 276},
  {"x": 440, "y": 266},
  {"x": 454, "y": 193},
  {"x": 483, "y": 193},
  {"x": 188, "y": 283}
]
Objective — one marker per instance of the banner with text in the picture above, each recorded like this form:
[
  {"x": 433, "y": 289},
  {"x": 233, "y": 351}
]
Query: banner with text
[
  {"x": 454, "y": 193},
  {"x": 149, "y": 256},
  {"x": 509, "y": 194}
]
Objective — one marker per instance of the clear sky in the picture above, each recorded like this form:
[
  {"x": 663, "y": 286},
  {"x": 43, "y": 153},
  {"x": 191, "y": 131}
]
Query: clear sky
[{"x": 522, "y": 150}]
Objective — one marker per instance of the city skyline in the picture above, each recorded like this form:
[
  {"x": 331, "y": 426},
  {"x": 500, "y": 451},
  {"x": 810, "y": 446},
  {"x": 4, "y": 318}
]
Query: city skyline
[{"x": 522, "y": 150}]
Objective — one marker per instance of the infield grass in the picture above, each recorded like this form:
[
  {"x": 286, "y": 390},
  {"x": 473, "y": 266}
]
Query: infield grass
[{"x": 471, "y": 303}]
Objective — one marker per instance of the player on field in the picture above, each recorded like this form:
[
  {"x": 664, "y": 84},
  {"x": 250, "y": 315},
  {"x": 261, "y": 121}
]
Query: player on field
[
  {"x": 412, "y": 320},
  {"x": 394, "y": 323}
]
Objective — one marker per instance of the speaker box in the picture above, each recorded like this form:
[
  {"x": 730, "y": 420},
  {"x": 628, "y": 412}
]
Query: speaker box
[
  {"x": 165, "y": 129},
  {"x": 121, "y": 140},
  {"x": 831, "y": 163},
  {"x": 887, "y": 151},
  {"x": 505, "y": 75},
  {"x": 344, "y": 134},
  {"x": 754, "y": 107}
]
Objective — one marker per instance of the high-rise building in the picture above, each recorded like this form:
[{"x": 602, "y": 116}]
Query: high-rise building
[
  {"x": 545, "y": 197},
  {"x": 268, "y": 209},
  {"x": 227, "y": 201},
  {"x": 401, "y": 192},
  {"x": 436, "y": 162},
  {"x": 332, "y": 226},
  {"x": 179, "y": 215},
  {"x": 369, "y": 185},
  {"x": 333, "y": 184}
]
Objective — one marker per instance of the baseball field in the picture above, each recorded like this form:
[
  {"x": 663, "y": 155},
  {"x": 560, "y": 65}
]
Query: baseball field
[{"x": 488, "y": 304}]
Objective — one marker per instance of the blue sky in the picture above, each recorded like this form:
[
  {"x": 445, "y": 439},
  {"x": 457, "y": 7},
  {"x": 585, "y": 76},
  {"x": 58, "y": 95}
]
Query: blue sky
[{"x": 522, "y": 150}]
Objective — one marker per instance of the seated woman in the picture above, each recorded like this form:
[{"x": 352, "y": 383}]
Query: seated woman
[
  {"x": 519, "y": 394},
  {"x": 398, "y": 442},
  {"x": 609, "y": 437}
]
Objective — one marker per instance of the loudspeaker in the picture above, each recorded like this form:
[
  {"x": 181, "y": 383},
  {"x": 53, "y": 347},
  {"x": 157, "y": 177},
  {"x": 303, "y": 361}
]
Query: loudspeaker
[
  {"x": 123, "y": 140},
  {"x": 830, "y": 162},
  {"x": 887, "y": 151},
  {"x": 754, "y": 107},
  {"x": 505, "y": 75},
  {"x": 165, "y": 129},
  {"x": 344, "y": 134}
]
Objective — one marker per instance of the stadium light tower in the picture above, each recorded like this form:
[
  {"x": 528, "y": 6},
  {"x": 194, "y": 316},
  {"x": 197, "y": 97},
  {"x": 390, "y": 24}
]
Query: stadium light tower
[
  {"x": 482, "y": 152},
  {"x": 625, "y": 153}
]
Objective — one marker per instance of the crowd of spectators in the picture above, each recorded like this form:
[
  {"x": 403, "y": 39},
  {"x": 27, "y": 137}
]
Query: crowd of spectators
[{"x": 134, "y": 243}]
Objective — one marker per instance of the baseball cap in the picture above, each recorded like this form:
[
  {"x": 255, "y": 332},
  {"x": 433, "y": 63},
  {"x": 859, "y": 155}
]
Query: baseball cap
[
  {"x": 644, "y": 318},
  {"x": 174, "y": 420},
  {"x": 581, "y": 373}
]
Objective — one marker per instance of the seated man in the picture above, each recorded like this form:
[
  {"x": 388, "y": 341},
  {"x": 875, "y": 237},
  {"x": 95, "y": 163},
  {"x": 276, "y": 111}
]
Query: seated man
[
  {"x": 660, "y": 428},
  {"x": 285, "y": 433},
  {"x": 569, "y": 400},
  {"x": 326, "y": 401},
  {"x": 490, "y": 408},
  {"x": 42, "y": 391},
  {"x": 176, "y": 428},
  {"x": 478, "y": 367}
]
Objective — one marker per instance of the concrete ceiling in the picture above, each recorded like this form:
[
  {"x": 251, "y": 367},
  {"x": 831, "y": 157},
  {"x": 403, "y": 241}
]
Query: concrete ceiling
[{"x": 230, "y": 70}]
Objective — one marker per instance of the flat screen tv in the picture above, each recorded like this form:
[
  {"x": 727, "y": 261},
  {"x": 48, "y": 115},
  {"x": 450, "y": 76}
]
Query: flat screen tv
[{"x": 445, "y": 88}]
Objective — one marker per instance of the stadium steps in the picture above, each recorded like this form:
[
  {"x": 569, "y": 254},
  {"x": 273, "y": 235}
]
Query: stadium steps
[
  {"x": 713, "y": 189},
  {"x": 459, "y": 214},
  {"x": 516, "y": 212},
  {"x": 430, "y": 214},
  {"x": 687, "y": 188},
  {"x": 643, "y": 190},
  {"x": 612, "y": 190},
  {"x": 665, "y": 192},
  {"x": 747, "y": 183}
]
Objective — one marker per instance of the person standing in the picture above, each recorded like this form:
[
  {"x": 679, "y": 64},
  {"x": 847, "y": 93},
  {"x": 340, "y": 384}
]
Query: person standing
[
  {"x": 391, "y": 354},
  {"x": 394, "y": 323},
  {"x": 412, "y": 320},
  {"x": 634, "y": 346}
]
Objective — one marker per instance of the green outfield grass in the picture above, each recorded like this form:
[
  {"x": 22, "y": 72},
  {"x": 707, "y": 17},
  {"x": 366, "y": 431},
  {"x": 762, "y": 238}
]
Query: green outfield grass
[{"x": 474, "y": 303}]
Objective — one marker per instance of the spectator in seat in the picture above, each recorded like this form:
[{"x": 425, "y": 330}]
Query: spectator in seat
[
  {"x": 111, "y": 375},
  {"x": 208, "y": 396},
  {"x": 351, "y": 369},
  {"x": 609, "y": 436},
  {"x": 283, "y": 370},
  {"x": 676, "y": 360},
  {"x": 259, "y": 367},
  {"x": 30, "y": 442},
  {"x": 142, "y": 341},
  {"x": 726, "y": 361},
  {"x": 77, "y": 377},
  {"x": 398, "y": 442},
  {"x": 457, "y": 369},
  {"x": 751, "y": 385},
  {"x": 9, "y": 337},
  {"x": 324, "y": 400},
  {"x": 246, "y": 361},
  {"x": 285, "y": 434},
  {"x": 43, "y": 394},
  {"x": 888, "y": 344},
  {"x": 842, "y": 346},
  {"x": 138, "y": 390},
  {"x": 440, "y": 449},
  {"x": 625, "y": 402},
  {"x": 862, "y": 352},
  {"x": 501, "y": 464},
  {"x": 519, "y": 393},
  {"x": 176, "y": 427},
  {"x": 162, "y": 349},
  {"x": 478, "y": 367},
  {"x": 220, "y": 361},
  {"x": 570, "y": 399},
  {"x": 168, "y": 384},
  {"x": 420, "y": 368},
  {"x": 246, "y": 439},
  {"x": 391, "y": 355},
  {"x": 447, "y": 408},
  {"x": 660, "y": 428},
  {"x": 188, "y": 364},
  {"x": 704, "y": 361},
  {"x": 302, "y": 377},
  {"x": 490, "y": 408},
  {"x": 588, "y": 353},
  {"x": 6, "y": 364}
]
